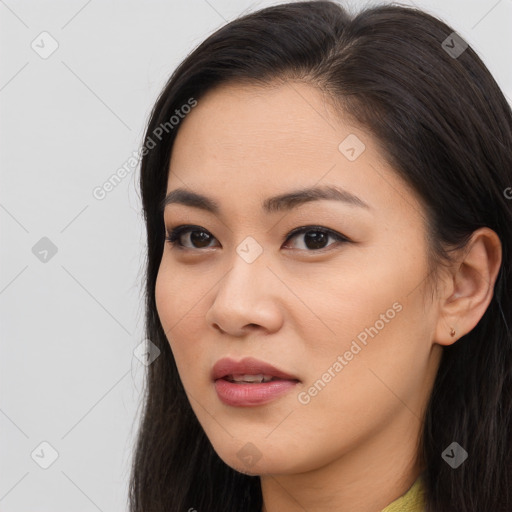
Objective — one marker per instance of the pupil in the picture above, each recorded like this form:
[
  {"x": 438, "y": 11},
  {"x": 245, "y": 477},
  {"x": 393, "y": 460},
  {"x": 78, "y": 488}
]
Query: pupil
[
  {"x": 199, "y": 237},
  {"x": 317, "y": 239}
]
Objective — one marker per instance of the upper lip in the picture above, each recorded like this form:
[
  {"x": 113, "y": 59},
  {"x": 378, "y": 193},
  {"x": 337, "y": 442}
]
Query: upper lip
[{"x": 247, "y": 366}]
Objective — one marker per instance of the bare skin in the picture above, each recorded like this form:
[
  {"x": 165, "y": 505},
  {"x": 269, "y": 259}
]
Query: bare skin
[{"x": 352, "y": 445}]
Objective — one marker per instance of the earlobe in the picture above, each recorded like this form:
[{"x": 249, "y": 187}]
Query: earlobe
[{"x": 470, "y": 287}]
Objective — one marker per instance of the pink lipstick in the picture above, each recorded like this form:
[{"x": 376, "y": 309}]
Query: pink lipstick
[{"x": 249, "y": 382}]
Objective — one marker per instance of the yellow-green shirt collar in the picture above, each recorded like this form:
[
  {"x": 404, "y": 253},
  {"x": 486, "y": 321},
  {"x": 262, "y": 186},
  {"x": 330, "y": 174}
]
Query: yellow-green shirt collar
[{"x": 411, "y": 501}]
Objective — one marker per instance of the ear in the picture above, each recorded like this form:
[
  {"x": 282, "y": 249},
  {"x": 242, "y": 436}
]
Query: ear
[{"x": 468, "y": 286}]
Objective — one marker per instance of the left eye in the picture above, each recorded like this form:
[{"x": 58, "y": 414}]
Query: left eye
[{"x": 316, "y": 237}]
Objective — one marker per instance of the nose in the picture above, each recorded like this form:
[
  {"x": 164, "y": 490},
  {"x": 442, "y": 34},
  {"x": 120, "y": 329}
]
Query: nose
[{"x": 247, "y": 299}]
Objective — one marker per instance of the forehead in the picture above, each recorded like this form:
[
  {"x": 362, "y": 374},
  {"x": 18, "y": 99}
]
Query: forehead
[
  {"x": 249, "y": 140},
  {"x": 286, "y": 110},
  {"x": 290, "y": 127}
]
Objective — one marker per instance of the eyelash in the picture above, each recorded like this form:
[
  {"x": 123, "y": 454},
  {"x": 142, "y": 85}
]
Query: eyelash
[{"x": 173, "y": 237}]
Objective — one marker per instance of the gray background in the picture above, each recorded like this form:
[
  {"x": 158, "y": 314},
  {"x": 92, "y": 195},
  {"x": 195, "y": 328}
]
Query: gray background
[{"x": 71, "y": 319}]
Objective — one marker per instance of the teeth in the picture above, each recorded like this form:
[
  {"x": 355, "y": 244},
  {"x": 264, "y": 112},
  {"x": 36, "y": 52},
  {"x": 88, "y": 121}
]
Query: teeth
[{"x": 250, "y": 378}]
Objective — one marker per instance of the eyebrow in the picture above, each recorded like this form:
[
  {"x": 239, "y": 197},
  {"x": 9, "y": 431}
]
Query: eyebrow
[{"x": 282, "y": 202}]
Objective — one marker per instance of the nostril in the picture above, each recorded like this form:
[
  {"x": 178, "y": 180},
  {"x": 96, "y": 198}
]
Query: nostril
[{"x": 217, "y": 326}]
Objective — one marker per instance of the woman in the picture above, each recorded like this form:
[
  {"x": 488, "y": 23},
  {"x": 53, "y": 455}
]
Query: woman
[{"x": 328, "y": 264}]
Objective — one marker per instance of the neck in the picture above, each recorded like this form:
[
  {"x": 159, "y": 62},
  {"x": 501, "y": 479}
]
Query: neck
[{"x": 365, "y": 479}]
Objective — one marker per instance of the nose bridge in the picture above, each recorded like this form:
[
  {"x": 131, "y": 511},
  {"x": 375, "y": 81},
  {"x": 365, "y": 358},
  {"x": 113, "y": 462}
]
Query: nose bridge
[
  {"x": 247, "y": 272},
  {"x": 245, "y": 295}
]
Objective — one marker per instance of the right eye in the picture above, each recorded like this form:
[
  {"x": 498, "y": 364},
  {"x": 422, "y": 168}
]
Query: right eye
[{"x": 199, "y": 236}]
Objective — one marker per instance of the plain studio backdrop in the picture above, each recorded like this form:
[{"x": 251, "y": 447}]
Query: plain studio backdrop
[{"x": 77, "y": 82}]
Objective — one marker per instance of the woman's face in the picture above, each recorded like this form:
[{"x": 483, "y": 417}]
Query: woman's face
[{"x": 346, "y": 321}]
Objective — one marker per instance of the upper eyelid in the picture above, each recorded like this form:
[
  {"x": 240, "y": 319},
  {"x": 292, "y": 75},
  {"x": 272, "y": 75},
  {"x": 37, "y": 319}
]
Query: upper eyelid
[{"x": 184, "y": 228}]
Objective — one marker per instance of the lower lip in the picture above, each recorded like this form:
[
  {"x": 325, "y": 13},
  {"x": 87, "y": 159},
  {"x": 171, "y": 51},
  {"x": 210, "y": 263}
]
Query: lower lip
[{"x": 247, "y": 395}]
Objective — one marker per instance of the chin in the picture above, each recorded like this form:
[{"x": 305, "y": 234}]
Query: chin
[{"x": 255, "y": 459}]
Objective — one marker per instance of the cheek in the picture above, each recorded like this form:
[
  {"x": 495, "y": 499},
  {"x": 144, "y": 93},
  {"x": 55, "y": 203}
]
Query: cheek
[
  {"x": 165, "y": 298},
  {"x": 365, "y": 299},
  {"x": 374, "y": 351},
  {"x": 181, "y": 314},
  {"x": 177, "y": 296},
  {"x": 373, "y": 314}
]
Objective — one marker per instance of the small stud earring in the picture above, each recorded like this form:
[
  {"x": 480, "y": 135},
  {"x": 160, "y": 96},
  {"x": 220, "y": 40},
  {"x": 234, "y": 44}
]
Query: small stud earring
[{"x": 452, "y": 332}]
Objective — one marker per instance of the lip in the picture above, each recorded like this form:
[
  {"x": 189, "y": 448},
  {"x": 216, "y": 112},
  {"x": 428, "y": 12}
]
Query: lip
[
  {"x": 247, "y": 395},
  {"x": 249, "y": 366}
]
